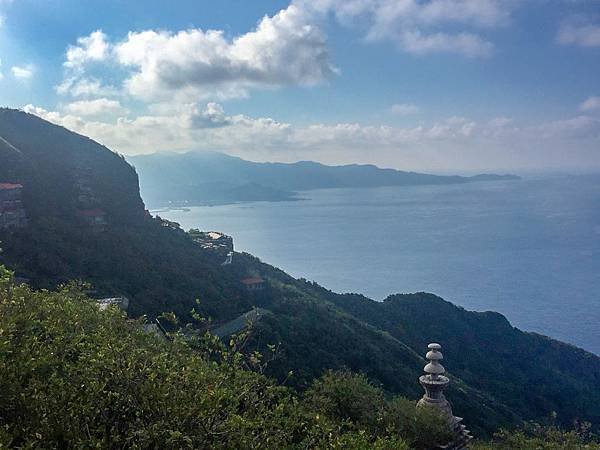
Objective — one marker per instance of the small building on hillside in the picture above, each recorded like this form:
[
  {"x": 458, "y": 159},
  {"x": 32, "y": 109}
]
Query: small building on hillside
[
  {"x": 169, "y": 224},
  {"x": 254, "y": 283},
  {"x": 95, "y": 218},
  {"x": 239, "y": 324},
  {"x": 120, "y": 302},
  {"x": 212, "y": 240},
  {"x": 12, "y": 212}
]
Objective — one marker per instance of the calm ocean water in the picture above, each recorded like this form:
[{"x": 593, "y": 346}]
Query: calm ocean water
[{"x": 529, "y": 249}]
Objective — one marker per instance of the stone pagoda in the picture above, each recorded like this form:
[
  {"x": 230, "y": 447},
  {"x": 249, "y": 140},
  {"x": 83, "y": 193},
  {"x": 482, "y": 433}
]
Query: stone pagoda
[{"x": 435, "y": 383}]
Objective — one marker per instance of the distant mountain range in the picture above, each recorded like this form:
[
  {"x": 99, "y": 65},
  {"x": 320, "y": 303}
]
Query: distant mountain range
[
  {"x": 198, "y": 178},
  {"x": 501, "y": 376}
]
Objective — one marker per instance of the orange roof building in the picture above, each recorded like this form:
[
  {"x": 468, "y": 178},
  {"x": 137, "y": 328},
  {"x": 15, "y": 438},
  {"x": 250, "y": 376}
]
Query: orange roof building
[{"x": 253, "y": 283}]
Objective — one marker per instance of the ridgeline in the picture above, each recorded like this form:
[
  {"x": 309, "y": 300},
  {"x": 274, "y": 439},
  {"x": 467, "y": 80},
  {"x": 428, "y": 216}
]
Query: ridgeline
[
  {"x": 86, "y": 222},
  {"x": 198, "y": 178}
]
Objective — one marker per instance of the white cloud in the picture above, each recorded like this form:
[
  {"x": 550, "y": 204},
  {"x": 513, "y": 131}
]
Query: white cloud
[
  {"x": 577, "y": 127},
  {"x": 584, "y": 35},
  {"x": 213, "y": 116},
  {"x": 284, "y": 50},
  {"x": 192, "y": 127},
  {"x": 483, "y": 13},
  {"x": 421, "y": 27},
  {"x": 92, "y": 48},
  {"x": 404, "y": 109},
  {"x": 89, "y": 50},
  {"x": 96, "y": 107},
  {"x": 467, "y": 44},
  {"x": 22, "y": 72},
  {"x": 85, "y": 87},
  {"x": 591, "y": 104},
  {"x": 456, "y": 142}
]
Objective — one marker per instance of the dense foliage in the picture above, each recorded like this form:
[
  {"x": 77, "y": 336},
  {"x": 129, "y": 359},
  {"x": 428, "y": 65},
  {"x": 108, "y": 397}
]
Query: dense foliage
[
  {"x": 500, "y": 375},
  {"x": 51, "y": 162},
  {"x": 533, "y": 375},
  {"x": 536, "y": 437},
  {"x": 72, "y": 376}
]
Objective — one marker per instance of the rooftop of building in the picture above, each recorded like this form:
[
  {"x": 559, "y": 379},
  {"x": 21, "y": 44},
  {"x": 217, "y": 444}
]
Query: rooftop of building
[
  {"x": 10, "y": 186},
  {"x": 253, "y": 280}
]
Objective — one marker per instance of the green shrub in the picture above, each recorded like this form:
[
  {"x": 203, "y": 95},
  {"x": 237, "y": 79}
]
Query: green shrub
[
  {"x": 72, "y": 376},
  {"x": 536, "y": 437},
  {"x": 350, "y": 399}
]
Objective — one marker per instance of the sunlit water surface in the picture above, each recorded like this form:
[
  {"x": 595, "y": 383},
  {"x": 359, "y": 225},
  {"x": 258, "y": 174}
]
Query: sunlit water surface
[{"x": 529, "y": 249}]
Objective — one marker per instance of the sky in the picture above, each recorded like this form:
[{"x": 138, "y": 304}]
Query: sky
[{"x": 431, "y": 85}]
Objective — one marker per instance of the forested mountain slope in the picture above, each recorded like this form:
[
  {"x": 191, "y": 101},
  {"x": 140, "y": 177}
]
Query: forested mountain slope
[
  {"x": 501, "y": 375},
  {"x": 210, "y": 177}
]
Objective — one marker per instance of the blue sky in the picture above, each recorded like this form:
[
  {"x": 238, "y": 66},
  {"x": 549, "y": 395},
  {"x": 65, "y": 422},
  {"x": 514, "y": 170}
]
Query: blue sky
[{"x": 442, "y": 85}]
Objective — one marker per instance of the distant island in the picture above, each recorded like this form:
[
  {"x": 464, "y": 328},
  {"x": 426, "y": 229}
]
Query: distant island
[
  {"x": 72, "y": 210},
  {"x": 207, "y": 178}
]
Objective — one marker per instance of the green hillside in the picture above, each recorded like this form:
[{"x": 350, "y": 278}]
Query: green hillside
[
  {"x": 72, "y": 376},
  {"x": 501, "y": 375}
]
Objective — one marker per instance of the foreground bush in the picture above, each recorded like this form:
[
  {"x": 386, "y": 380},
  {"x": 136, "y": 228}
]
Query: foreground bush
[
  {"x": 72, "y": 376},
  {"x": 351, "y": 399},
  {"x": 536, "y": 437}
]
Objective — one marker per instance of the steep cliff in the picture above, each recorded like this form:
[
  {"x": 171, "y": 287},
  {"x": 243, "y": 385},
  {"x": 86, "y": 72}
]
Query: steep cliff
[
  {"x": 501, "y": 375},
  {"x": 63, "y": 172}
]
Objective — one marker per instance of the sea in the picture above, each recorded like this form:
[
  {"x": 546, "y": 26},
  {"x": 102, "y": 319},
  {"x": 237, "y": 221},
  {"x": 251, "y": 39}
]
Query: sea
[{"x": 529, "y": 249}]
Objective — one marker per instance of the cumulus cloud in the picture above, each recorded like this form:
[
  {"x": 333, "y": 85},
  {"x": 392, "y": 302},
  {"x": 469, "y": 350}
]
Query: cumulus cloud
[
  {"x": 92, "y": 48},
  {"x": 590, "y": 104},
  {"x": 284, "y": 50},
  {"x": 89, "y": 50},
  {"x": 421, "y": 27},
  {"x": 194, "y": 127},
  {"x": 22, "y": 72},
  {"x": 86, "y": 87},
  {"x": 213, "y": 116},
  {"x": 451, "y": 143},
  {"x": 171, "y": 71},
  {"x": 96, "y": 107},
  {"x": 583, "y": 35},
  {"x": 209, "y": 127}
]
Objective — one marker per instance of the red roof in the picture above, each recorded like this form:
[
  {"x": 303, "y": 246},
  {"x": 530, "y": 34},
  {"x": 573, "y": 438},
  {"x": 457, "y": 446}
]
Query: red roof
[
  {"x": 253, "y": 280},
  {"x": 91, "y": 212},
  {"x": 8, "y": 186}
]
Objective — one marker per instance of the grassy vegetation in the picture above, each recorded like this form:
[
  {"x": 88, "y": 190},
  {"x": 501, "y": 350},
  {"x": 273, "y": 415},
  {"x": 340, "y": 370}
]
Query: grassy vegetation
[
  {"x": 501, "y": 376},
  {"x": 72, "y": 376}
]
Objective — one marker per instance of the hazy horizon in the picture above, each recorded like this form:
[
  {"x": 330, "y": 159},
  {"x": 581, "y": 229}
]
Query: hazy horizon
[
  {"x": 538, "y": 171},
  {"x": 437, "y": 85}
]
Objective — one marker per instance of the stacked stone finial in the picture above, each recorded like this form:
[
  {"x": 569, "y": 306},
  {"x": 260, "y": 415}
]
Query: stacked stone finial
[{"x": 435, "y": 383}]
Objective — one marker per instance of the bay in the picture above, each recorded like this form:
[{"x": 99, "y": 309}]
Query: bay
[{"x": 528, "y": 249}]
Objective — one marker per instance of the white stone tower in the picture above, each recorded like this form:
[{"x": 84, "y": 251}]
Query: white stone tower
[{"x": 435, "y": 383}]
